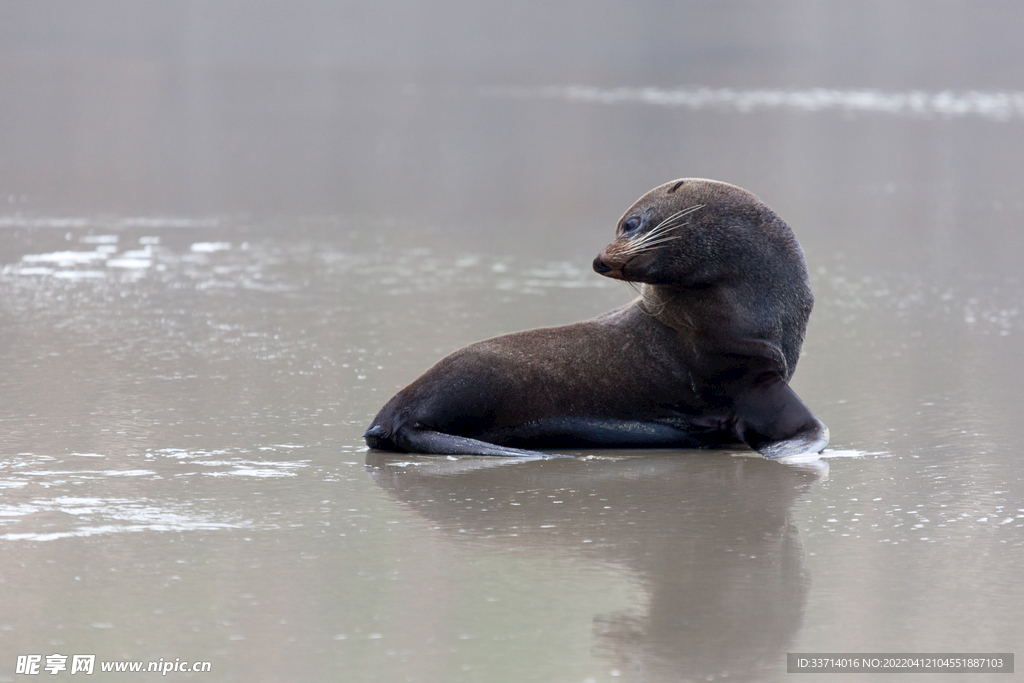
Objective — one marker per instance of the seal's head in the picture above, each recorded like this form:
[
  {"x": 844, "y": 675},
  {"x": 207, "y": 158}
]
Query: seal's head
[
  {"x": 660, "y": 217},
  {"x": 722, "y": 255}
]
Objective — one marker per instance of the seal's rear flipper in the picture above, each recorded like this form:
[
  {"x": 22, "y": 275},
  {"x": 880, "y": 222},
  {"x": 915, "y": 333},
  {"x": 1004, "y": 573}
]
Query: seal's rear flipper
[
  {"x": 771, "y": 419},
  {"x": 429, "y": 442}
]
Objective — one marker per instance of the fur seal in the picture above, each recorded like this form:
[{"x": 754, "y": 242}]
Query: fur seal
[{"x": 702, "y": 358}]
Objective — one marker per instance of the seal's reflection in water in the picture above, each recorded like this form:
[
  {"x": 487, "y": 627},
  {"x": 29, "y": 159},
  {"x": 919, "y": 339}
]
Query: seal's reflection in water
[{"x": 707, "y": 536}]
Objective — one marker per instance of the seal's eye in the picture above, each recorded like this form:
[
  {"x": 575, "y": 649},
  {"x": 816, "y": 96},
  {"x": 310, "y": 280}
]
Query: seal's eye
[{"x": 631, "y": 225}]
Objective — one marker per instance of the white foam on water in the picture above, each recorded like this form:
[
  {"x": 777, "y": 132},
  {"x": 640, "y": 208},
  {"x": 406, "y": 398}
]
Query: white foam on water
[
  {"x": 116, "y": 529},
  {"x": 66, "y": 259},
  {"x": 19, "y": 221},
  {"x": 182, "y": 453},
  {"x": 845, "y": 453},
  {"x": 81, "y": 532},
  {"x": 33, "y": 270},
  {"x": 999, "y": 106},
  {"x": 128, "y": 473},
  {"x": 79, "y": 274},
  {"x": 167, "y": 222},
  {"x": 252, "y": 472},
  {"x": 826, "y": 454},
  {"x": 134, "y": 515},
  {"x": 253, "y": 468},
  {"x": 25, "y": 222},
  {"x": 17, "y": 510},
  {"x": 131, "y": 263},
  {"x": 209, "y": 247}
]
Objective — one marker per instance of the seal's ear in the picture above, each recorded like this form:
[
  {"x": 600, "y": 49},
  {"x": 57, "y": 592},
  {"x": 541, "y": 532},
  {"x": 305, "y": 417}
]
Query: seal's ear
[{"x": 771, "y": 419}]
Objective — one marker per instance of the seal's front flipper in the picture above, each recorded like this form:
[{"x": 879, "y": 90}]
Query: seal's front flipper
[
  {"x": 809, "y": 442},
  {"x": 412, "y": 440},
  {"x": 771, "y": 419}
]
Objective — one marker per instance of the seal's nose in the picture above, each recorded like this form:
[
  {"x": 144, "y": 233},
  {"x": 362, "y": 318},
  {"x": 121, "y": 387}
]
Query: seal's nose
[{"x": 600, "y": 266}]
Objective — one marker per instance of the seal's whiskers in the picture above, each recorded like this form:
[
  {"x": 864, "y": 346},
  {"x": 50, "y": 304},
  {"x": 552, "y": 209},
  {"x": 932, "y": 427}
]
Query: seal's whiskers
[{"x": 658, "y": 235}]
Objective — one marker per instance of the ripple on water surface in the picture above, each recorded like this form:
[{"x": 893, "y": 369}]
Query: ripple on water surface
[{"x": 88, "y": 494}]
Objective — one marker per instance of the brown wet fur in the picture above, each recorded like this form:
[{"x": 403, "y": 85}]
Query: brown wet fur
[{"x": 702, "y": 358}]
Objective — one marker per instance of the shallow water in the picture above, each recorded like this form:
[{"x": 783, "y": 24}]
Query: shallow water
[{"x": 226, "y": 243}]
